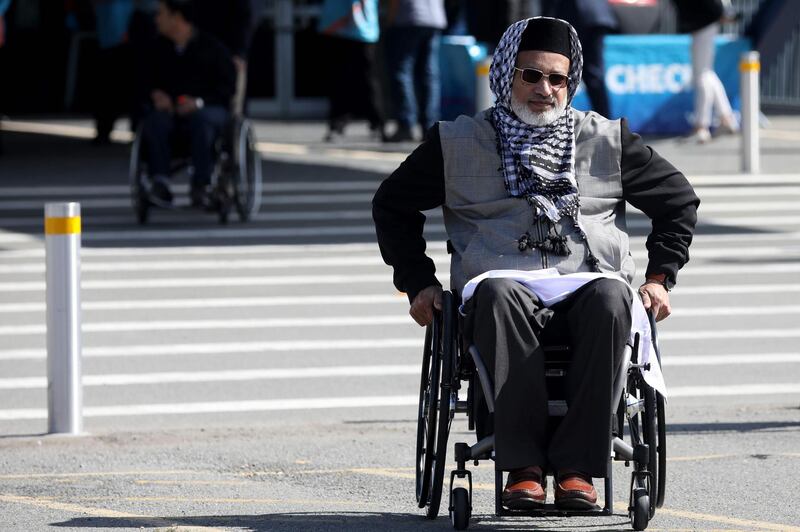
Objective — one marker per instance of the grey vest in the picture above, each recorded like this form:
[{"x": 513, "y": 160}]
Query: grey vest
[{"x": 484, "y": 223}]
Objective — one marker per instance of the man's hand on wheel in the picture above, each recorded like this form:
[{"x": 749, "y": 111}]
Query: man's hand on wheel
[
  {"x": 656, "y": 298},
  {"x": 424, "y": 303}
]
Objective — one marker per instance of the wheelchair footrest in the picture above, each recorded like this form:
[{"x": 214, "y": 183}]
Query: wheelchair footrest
[{"x": 551, "y": 510}]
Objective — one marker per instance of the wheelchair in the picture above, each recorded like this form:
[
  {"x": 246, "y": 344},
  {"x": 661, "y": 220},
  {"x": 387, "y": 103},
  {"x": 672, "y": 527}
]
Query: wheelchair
[
  {"x": 235, "y": 177},
  {"x": 447, "y": 362}
]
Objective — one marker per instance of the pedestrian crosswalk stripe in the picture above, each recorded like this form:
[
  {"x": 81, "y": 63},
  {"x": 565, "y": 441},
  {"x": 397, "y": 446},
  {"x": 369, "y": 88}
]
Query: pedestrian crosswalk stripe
[
  {"x": 228, "y": 348},
  {"x": 360, "y": 402},
  {"x": 332, "y": 372},
  {"x": 218, "y": 324},
  {"x": 344, "y": 259}
]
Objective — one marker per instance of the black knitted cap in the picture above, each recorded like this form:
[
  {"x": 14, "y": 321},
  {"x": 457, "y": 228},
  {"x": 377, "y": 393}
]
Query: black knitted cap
[{"x": 546, "y": 35}]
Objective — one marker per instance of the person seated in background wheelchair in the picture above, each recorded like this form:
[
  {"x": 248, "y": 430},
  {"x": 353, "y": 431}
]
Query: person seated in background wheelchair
[
  {"x": 533, "y": 184},
  {"x": 190, "y": 84}
]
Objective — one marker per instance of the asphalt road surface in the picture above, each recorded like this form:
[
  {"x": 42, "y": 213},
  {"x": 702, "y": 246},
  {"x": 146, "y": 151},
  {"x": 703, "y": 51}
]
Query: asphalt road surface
[{"x": 264, "y": 376}]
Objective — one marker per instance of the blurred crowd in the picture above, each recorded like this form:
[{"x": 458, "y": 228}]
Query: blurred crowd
[{"x": 376, "y": 58}]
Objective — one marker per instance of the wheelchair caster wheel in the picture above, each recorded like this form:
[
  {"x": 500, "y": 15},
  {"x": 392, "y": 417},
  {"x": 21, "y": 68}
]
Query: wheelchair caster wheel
[
  {"x": 460, "y": 510},
  {"x": 640, "y": 510}
]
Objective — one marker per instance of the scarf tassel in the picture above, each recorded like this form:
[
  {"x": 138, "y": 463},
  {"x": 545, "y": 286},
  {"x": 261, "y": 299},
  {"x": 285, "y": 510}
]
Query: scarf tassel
[{"x": 554, "y": 244}]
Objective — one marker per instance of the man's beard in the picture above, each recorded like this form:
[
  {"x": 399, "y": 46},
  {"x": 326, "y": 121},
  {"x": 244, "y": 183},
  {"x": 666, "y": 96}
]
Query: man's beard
[{"x": 520, "y": 109}]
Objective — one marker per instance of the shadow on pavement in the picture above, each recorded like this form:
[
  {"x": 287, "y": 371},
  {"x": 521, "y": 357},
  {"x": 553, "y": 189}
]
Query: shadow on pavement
[
  {"x": 344, "y": 521},
  {"x": 748, "y": 426}
]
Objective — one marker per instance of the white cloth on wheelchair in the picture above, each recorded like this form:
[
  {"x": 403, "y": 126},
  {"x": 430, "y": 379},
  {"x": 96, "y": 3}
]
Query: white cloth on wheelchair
[{"x": 551, "y": 287}]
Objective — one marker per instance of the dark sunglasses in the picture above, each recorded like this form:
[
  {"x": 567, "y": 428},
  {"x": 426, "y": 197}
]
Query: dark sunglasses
[{"x": 531, "y": 75}]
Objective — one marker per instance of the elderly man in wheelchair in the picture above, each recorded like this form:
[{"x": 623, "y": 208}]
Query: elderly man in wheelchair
[{"x": 533, "y": 194}]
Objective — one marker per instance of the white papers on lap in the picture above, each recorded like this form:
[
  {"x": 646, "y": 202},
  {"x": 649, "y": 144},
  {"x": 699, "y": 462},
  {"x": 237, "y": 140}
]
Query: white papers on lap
[{"x": 551, "y": 287}]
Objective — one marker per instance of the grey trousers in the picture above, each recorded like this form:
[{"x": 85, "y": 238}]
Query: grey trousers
[{"x": 507, "y": 322}]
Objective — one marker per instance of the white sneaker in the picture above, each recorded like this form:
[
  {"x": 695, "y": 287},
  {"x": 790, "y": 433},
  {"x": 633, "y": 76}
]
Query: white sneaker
[
  {"x": 726, "y": 128},
  {"x": 701, "y": 136}
]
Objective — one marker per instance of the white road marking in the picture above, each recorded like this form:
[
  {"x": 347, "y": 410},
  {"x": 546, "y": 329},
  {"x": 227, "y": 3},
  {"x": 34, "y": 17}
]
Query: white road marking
[
  {"x": 217, "y": 282},
  {"x": 215, "y": 251},
  {"x": 268, "y": 199},
  {"x": 744, "y": 310},
  {"x": 735, "y": 289},
  {"x": 260, "y": 233},
  {"x": 746, "y": 192},
  {"x": 701, "y": 242},
  {"x": 349, "y": 259},
  {"x": 223, "y": 265},
  {"x": 222, "y": 302},
  {"x": 207, "y": 282},
  {"x": 751, "y": 190},
  {"x": 227, "y": 348},
  {"x": 704, "y": 359},
  {"x": 183, "y": 188},
  {"x": 220, "y": 376},
  {"x": 277, "y": 280},
  {"x": 373, "y": 299},
  {"x": 218, "y": 324},
  {"x": 349, "y": 402},
  {"x": 734, "y": 390},
  {"x": 92, "y": 222},
  {"x": 156, "y": 234},
  {"x": 23, "y": 383},
  {"x": 735, "y": 180},
  {"x": 729, "y": 334},
  {"x": 754, "y": 206},
  {"x": 223, "y": 407}
]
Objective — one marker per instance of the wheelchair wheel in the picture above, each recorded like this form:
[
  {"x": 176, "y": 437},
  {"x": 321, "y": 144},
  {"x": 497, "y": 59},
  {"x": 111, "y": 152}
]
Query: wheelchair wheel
[
  {"x": 642, "y": 423},
  {"x": 137, "y": 174},
  {"x": 640, "y": 509},
  {"x": 662, "y": 451},
  {"x": 247, "y": 180},
  {"x": 460, "y": 509},
  {"x": 426, "y": 418},
  {"x": 650, "y": 438},
  {"x": 436, "y": 408}
]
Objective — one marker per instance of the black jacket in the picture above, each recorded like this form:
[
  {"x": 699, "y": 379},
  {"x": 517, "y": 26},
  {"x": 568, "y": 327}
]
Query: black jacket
[
  {"x": 694, "y": 15},
  {"x": 203, "y": 69},
  {"x": 650, "y": 183}
]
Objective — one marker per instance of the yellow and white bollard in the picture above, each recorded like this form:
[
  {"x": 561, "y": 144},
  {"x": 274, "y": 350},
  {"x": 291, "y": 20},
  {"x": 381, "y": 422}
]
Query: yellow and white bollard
[
  {"x": 750, "y": 69},
  {"x": 62, "y": 228}
]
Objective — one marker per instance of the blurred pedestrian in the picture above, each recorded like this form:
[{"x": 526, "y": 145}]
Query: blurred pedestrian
[
  {"x": 593, "y": 20},
  {"x": 413, "y": 39},
  {"x": 113, "y": 96},
  {"x": 702, "y": 18},
  {"x": 3, "y": 8},
  {"x": 487, "y": 21},
  {"x": 231, "y": 22},
  {"x": 351, "y": 32}
]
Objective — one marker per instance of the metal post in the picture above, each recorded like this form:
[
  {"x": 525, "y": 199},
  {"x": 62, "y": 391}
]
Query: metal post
[
  {"x": 483, "y": 93},
  {"x": 750, "y": 68},
  {"x": 62, "y": 227}
]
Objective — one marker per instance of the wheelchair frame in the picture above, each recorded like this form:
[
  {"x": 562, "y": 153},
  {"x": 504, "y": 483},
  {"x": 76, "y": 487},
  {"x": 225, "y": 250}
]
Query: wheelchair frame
[
  {"x": 236, "y": 179},
  {"x": 445, "y": 365}
]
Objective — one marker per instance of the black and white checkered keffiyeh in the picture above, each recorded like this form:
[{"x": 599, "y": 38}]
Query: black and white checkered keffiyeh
[{"x": 538, "y": 162}]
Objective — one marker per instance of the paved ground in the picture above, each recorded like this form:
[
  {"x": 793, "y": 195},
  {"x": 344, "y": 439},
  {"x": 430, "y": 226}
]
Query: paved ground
[{"x": 264, "y": 376}]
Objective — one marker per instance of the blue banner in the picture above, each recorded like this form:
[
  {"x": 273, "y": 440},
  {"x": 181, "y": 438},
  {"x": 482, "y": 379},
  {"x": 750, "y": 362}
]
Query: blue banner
[{"x": 649, "y": 79}]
